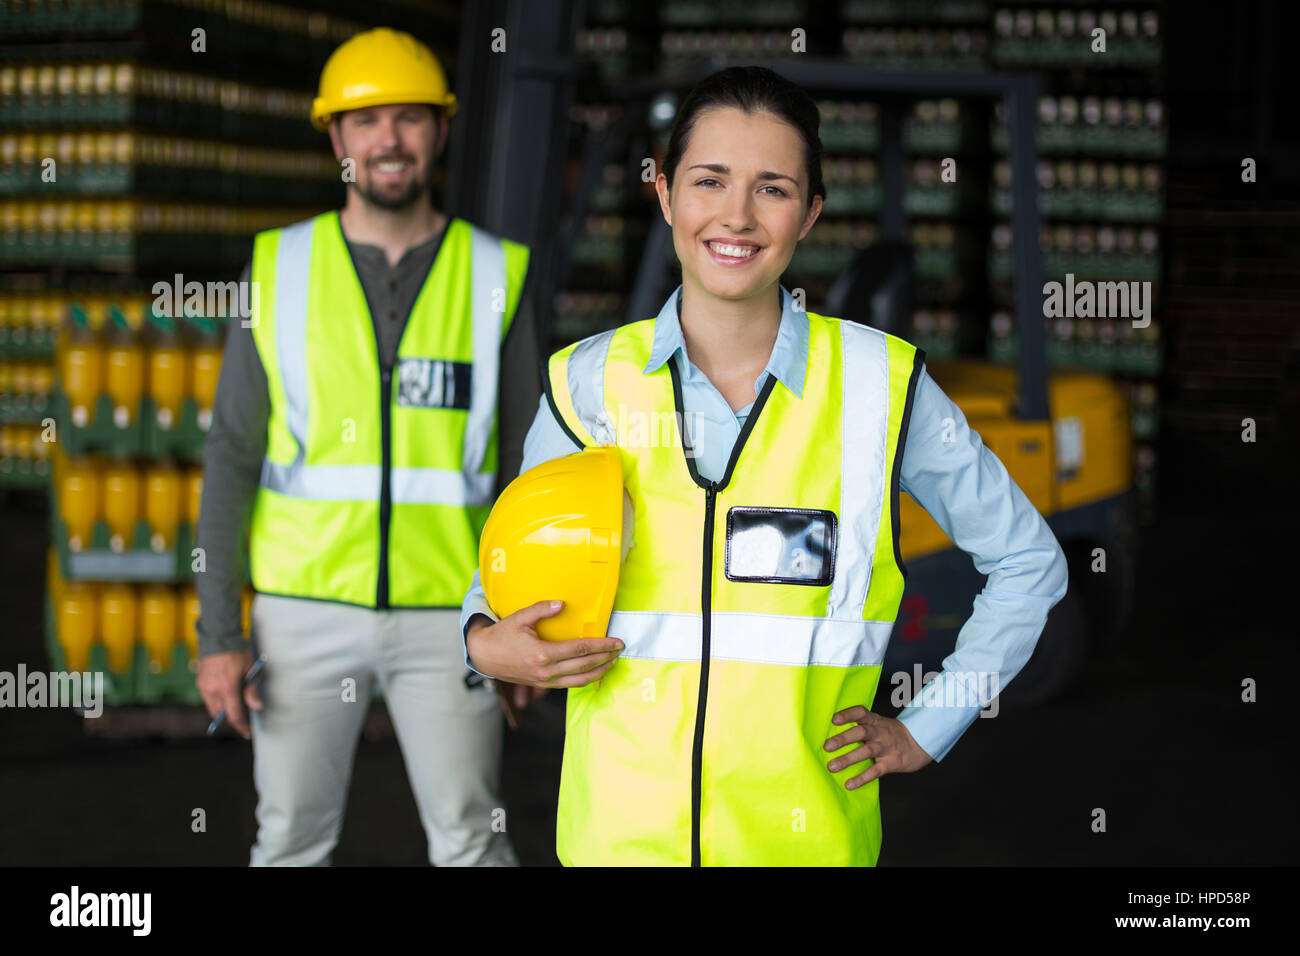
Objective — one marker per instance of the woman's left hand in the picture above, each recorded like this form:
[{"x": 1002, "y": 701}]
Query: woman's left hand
[{"x": 885, "y": 740}]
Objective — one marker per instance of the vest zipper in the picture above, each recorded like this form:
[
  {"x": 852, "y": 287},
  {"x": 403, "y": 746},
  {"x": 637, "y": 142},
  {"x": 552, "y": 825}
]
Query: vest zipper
[
  {"x": 385, "y": 488},
  {"x": 385, "y": 403},
  {"x": 706, "y": 600},
  {"x": 711, "y": 489}
]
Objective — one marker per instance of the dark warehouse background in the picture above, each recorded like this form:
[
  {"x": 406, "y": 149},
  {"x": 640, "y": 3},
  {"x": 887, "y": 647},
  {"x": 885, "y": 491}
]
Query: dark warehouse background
[{"x": 169, "y": 160}]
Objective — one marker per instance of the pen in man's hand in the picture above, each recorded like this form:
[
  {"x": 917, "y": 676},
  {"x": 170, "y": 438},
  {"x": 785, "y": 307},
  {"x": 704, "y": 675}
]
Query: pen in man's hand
[{"x": 251, "y": 676}]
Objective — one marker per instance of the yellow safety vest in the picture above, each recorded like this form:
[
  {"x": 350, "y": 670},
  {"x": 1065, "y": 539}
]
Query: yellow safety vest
[
  {"x": 752, "y": 608},
  {"x": 377, "y": 482}
]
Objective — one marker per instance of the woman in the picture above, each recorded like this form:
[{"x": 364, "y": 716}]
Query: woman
[{"x": 726, "y": 719}]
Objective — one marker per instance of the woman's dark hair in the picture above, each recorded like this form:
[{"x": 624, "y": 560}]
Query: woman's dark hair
[{"x": 751, "y": 88}]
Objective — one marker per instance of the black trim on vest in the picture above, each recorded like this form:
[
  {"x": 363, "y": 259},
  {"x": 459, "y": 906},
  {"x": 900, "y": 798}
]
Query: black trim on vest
[
  {"x": 550, "y": 400},
  {"x": 687, "y": 442},
  {"x": 918, "y": 361},
  {"x": 746, "y": 429},
  {"x": 386, "y": 407},
  {"x": 385, "y": 481},
  {"x": 711, "y": 489}
]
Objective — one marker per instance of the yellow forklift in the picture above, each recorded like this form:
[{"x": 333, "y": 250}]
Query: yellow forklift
[{"x": 1065, "y": 437}]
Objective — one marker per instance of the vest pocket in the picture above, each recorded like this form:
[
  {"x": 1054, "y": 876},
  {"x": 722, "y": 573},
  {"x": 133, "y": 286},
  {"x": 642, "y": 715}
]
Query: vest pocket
[{"x": 781, "y": 545}]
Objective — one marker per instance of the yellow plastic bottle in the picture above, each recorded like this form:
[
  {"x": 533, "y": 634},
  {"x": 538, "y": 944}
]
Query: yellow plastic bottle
[
  {"x": 23, "y": 446},
  {"x": 158, "y": 622},
  {"x": 41, "y": 383},
  {"x": 124, "y": 369},
  {"x": 193, "y": 495},
  {"x": 121, "y": 485},
  {"x": 206, "y": 366},
  {"x": 168, "y": 370},
  {"x": 14, "y": 315},
  {"x": 45, "y": 321},
  {"x": 162, "y": 505},
  {"x": 81, "y": 363},
  {"x": 77, "y": 623},
  {"x": 118, "y": 624},
  {"x": 79, "y": 500},
  {"x": 41, "y": 451},
  {"x": 187, "y": 607}
]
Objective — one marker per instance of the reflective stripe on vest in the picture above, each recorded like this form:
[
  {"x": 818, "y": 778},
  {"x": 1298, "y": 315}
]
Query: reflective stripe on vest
[
  {"x": 702, "y": 744},
  {"x": 318, "y": 515},
  {"x": 757, "y": 638}
]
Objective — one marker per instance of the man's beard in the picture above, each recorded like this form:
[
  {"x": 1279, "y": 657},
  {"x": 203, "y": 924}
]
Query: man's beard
[{"x": 402, "y": 200}]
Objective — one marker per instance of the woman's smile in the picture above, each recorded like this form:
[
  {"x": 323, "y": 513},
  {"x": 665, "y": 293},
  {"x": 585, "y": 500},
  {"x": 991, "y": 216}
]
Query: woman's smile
[{"x": 734, "y": 253}]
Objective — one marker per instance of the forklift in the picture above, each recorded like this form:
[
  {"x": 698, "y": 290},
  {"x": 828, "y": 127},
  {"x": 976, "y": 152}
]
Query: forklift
[{"x": 1065, "y": 438}]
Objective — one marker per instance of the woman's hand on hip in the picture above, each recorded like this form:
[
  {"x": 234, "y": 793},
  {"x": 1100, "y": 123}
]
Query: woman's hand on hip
[
  {"x": 885, "y": 740},
  {"x": 510, "y": 650}
]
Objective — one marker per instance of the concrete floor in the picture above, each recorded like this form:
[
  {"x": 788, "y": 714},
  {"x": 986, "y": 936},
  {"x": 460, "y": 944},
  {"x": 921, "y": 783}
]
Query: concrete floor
[{"x": 1156, "y": 734}]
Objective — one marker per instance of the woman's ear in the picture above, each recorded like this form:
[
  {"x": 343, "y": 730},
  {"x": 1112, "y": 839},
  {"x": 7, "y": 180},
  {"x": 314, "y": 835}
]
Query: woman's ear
[
  {"x": 661, "y": 187},
  {"x": 814, "y": 211}
]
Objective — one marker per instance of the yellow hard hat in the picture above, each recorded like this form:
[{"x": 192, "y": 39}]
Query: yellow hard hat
[
  {"x": 377, "y": 68},
  {"x": 559, "y": 532}
]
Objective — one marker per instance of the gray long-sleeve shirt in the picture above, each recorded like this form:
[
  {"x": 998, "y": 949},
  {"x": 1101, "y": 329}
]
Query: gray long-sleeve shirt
[{"x": 236, "y": 442}]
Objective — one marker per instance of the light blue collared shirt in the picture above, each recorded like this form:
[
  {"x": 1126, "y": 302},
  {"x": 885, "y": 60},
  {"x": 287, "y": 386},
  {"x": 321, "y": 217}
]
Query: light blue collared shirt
[{"x": 946, "y": 469}]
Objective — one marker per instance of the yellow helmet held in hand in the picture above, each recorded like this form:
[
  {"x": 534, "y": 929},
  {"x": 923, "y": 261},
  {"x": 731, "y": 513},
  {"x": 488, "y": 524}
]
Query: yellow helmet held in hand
[
  {"x": 559, "y": 531},
  {"x": 377, "y": 68}
]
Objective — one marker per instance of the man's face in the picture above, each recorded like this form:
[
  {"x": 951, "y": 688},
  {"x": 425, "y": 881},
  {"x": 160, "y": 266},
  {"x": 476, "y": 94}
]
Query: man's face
[{"x": 393, "y": 149}]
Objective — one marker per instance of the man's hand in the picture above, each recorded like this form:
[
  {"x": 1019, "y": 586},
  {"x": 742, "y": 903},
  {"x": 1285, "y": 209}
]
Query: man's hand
[
  {"x": 219, "y": 681},
  {"x": 510, "y": 650},
  {"x": 885, "y": 740}
]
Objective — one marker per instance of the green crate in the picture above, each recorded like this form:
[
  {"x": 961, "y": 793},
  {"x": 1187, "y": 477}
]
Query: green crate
[
  {"x": 30, "y": 474},
  {"x": 100, "y": 433}
]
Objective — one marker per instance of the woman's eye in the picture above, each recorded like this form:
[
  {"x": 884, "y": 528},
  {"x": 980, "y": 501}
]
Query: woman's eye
[
  {"x": 779, "y": 190},
  {"x": 703, "y": 181}
]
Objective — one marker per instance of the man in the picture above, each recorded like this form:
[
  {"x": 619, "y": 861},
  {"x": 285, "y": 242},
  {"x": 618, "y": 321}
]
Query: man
[{"x": 355, "y": 437}]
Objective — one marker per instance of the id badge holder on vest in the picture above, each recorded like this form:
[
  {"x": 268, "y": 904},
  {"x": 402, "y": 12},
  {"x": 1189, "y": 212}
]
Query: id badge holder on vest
[{"x": 781, "y": 545}]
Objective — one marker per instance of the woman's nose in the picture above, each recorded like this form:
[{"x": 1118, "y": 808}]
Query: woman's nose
[{"x": 739, "y": 212}]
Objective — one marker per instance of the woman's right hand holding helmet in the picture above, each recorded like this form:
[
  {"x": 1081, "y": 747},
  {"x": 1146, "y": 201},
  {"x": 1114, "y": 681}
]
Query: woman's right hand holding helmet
[{"x": 510, "y": 650}]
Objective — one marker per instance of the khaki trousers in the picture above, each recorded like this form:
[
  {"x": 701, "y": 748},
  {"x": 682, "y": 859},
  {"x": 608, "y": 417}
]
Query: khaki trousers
[{"x": 322, "y": 660}]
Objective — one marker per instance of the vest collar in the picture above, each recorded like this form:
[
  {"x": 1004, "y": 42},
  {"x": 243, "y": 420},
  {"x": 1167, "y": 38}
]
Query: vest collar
[{"x": 787, "y": 364}]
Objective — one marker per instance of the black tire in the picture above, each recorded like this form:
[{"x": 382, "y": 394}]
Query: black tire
[{"x": 1057, "y": 660}]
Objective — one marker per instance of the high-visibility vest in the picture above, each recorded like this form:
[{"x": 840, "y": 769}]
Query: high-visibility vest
[
  {"x": 376, "y": 482},
  {"x": 752, "y": 608}
]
